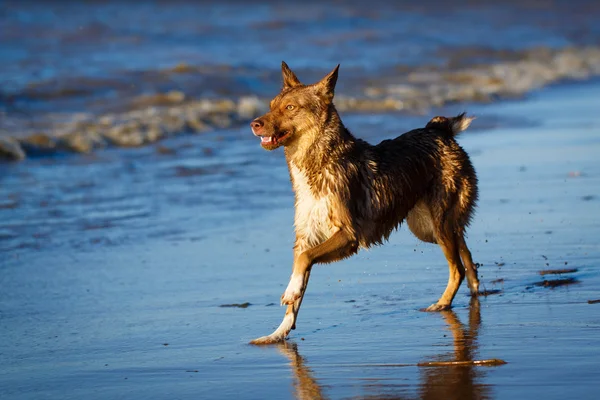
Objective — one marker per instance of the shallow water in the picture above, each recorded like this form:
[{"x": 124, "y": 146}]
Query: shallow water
[
  {"x": 97, "y": 39},
  {"x": 115, "y": 266},
  {"x": 79, "y": 77}
]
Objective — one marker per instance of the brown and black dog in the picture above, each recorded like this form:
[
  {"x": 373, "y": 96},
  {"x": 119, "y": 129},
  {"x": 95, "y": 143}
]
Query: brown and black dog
[{"x": 351, "y": 194}]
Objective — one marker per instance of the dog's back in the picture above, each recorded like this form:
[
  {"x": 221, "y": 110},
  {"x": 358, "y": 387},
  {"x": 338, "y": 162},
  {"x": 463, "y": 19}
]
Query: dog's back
[{"x": 380, "y": 184}]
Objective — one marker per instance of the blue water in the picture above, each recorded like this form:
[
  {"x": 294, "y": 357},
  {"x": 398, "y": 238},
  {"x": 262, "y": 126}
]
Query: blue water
[{"x": 57, "y": 40}]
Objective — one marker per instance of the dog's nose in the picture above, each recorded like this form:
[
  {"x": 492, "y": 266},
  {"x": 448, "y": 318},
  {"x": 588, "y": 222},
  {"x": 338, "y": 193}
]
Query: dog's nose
[{"x": 257, "y": 124}]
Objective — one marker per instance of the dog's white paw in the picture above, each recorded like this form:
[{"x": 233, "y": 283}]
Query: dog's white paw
[{"x": 293, "y": 290}]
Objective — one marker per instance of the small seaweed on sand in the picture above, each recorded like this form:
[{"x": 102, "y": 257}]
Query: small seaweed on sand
[
  {"x": 485, "y": 293},
  {"x": 556, "y": 282},
  {"x": 558, "y": 271},
  {"x": 490, "y": 362},
  {"x": 552, "y": 283},
  {"x": 236, "y": 305}
]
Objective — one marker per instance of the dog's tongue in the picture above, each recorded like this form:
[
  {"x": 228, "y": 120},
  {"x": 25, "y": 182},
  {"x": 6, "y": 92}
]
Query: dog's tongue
[{"x": 266, "y": 139}]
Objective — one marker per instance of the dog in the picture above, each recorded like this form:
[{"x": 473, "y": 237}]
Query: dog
[{"x": 350, "y": 194}]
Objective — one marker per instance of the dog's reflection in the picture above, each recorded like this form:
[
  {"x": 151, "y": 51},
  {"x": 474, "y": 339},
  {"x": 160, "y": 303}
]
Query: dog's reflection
[
  {"x": 457, "y": 381},
  {"x": 437, "y": 382},
  {"x": 305, "y": 385}
]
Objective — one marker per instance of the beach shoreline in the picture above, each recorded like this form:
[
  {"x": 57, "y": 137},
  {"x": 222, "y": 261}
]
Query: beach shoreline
[{"x": 141, "y": 119}]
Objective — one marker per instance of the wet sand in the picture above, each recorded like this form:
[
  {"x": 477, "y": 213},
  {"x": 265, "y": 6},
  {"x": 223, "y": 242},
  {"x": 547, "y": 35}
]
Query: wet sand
[{"x": 116, "y": 290}]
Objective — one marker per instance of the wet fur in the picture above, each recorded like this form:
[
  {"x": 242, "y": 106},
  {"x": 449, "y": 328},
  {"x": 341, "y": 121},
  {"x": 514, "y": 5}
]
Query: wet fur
[{"x": 351, "y": 194}]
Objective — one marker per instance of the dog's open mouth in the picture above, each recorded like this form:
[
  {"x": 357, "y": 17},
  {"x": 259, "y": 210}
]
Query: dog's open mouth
[{"x": 275, "y": 140}]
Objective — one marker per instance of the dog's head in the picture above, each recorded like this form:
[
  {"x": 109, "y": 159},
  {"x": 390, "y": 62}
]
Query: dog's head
[{"x": 297, "y": 111}]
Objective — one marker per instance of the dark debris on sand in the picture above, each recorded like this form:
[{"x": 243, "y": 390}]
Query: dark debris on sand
[
  {"x": 556, "y": 282},
  {"x": 236, "y": 305},
  {"x": 558, "y": 271},
  {"x": 490, "y": 292},
  {"x": 552, "y": 283}
]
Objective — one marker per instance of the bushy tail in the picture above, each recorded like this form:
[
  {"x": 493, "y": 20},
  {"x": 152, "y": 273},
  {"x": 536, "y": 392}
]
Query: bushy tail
[{"x": 451, "y": 125}]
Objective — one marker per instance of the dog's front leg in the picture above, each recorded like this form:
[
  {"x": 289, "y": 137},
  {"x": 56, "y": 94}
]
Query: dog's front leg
[
  {"x": 291, "y": 313},
  {"x": 298, "y": 280},
  {"x": 340, "y": 245},
  {"x": 288, "y": 323}
]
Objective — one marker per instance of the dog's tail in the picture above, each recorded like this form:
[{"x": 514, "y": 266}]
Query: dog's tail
[{"x": 453, "y": 126}]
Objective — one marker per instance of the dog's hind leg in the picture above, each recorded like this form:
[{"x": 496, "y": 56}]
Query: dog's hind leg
[
  {"x": 470, "y": 267},
  {"x": 464, "y": 208},
  {"x": 421, "y": 224},
  {"x": 449, "y": 244}
]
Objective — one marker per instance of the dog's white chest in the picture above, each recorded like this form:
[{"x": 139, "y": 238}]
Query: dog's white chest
[{"x": 312, "y": 213}]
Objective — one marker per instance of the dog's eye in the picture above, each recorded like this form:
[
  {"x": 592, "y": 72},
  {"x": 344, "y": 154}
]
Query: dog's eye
[{"x": 290, "y": 107}]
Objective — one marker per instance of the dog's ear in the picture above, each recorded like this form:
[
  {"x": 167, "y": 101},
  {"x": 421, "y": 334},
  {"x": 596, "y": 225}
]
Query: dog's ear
[
  {"x": 289, "y": 78},
  {"x": 327, "y": 85}
]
